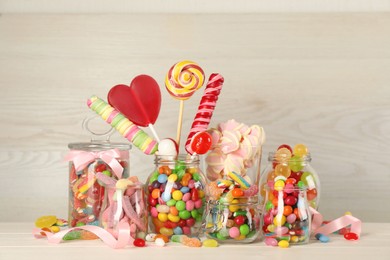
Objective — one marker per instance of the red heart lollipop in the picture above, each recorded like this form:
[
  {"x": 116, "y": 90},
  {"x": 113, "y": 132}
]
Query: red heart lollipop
[{"x": 140, "y": 102}]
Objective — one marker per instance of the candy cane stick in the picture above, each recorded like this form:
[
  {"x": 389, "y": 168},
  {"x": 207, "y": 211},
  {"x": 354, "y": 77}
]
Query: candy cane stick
[{"x": 206, "y": 108}]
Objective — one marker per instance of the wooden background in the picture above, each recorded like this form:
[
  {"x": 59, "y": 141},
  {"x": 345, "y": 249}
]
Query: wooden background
[{"x": 316, "y": 78}]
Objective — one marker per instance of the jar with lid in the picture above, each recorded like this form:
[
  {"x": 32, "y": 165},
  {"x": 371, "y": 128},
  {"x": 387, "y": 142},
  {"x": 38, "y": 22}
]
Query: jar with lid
[
  {"x": 294, "y": 169},
  {"x": 175, "y": 196},
  {"x": 88, "y": 161}
]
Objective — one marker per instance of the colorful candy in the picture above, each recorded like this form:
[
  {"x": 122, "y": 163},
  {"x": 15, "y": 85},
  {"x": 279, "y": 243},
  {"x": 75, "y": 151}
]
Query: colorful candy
[
  {"x": 123, "y": 125},
  {"x": 176, "y": 197},
  {"x": 205, "y": 109},
  {"x": 351, "y": 236},
  {"x": 210, "y": 243}
]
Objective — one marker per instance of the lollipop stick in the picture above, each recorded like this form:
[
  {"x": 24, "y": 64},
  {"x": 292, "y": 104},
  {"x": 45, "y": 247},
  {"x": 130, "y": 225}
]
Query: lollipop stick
[
  {"x": 179, "y": 122},
  {"x": 151, "y": 127}
]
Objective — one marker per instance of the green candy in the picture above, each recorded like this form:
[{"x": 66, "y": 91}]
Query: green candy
[
  {"x": 176, "y": 238},
  {"x": 239, "y": 212},
  {"x": 244, "y": 229},
  {"x": 198, "y": 218},
  {"x": 72, "y": 235},
  {"x": 269, "y": 205},
  {"x": 184, "y": 214},
  {"x": 180, "y": 205},
  {"x": 196, "y": 176},
  {"x": 194, "y": 213},
  {"x": 153, "y": 177},
  {"x": 180, "y": 174},
  {"x": 107, "y": 173},
  {"x": 171, "y": 202},
  {"x": 221, "y": 236},
  {"x": 295, "y": 163}
]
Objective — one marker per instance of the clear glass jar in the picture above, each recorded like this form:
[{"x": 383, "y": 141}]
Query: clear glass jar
[
  {"x": 175, "y": 196},
  {"x": 237, "y": 222},
  {"x": 286, "y": 215},
  {"x": 86, "y": 193},
  {"x": 296, "y": 168},
  {"x": 125, "y": 203}
]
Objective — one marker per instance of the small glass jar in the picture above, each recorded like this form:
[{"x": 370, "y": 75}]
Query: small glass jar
[
  {"x": 237, "y": 222},
  {"x": 125, "y": 203},
  {"x": 86, "y": 193},
  {"x": 175, "y": 196},
  {"x": 286, "y": 215},
  {"x": 298, "y": 170}
]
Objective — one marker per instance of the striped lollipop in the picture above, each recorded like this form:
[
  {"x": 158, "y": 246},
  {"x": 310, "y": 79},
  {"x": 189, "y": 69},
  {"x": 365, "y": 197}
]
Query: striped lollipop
[{"x": 182, "y": 80}]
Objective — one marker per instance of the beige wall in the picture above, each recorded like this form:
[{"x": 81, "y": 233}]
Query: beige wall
[{"x": 321, "y": 79}]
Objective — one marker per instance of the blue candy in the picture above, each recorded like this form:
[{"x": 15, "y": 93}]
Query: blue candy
[
  {"x": 322, "y": 238},
  {"x": 184, "y": 189},
  {"x": 162, "y": 178}
]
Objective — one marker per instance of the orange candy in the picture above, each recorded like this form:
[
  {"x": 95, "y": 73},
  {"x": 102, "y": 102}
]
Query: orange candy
[
  {"x": 163, "y": 237},
  {"x": 186, "y": 178},
  {"x": 275, "y": 202},
  {"x": 287, "y": 210},
  {"x": 237, "y": 192},
  {"x": 173, "y": 210},
  {"x": 156, "y": 193}
]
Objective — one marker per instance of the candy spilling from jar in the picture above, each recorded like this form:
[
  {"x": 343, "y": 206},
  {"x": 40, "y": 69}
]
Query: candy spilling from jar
[{"x": 176, "y": 200}]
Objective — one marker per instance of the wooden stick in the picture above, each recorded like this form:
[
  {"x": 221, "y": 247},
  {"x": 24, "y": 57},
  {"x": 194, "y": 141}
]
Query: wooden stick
[{"x": 179, "y": 122}]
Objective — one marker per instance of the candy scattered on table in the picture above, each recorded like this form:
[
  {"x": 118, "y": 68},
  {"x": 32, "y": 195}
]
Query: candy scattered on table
[
  {"x": 351, "y": 236},
  {"x": 323, "y": 238}
]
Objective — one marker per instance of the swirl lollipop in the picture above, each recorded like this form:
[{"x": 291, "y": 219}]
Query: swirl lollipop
[{"x": 182, "y": 80}]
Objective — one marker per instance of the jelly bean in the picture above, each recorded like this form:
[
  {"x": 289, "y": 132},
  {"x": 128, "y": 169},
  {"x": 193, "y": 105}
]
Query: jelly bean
[
  {"x": 186, "y": 178},
  {"x": 163, "y": 217},
  {"x": 210, "y": 243},
  {"x": 239, "y": 220},
  {"x": 180, "y": 205},
  {"x": 184, "y": 214},
  {"x": 166, "y": 196},
  {"x": 186, "y": 197},
  {"x": 351, "y": 236},
  {"x": 191, "y": 242},
  {"x": 283, "y": 244},
  {"x": 281, "y": 230},
  {"x": 279, "y": 185},
  {"x": 171, "y": 202},
  {"x": 184, "y": 189},
  {"x": 190, "y": 205},
  {"x": 234, "y": 232},
  {"x": 300, "y": 150},
  {"x": 237, "y": 192},
  {"x": 194, "y": 194},
  {"x": 279, "y": 220},
  {"x": 152, "y": 201},
  {"x": 156, "y": 193},
  {"x": 287, "y": 210},
  {"x": 190, "y": 222},
  {"x": 294, "y": 239},
  {"x": 195, "y": 214},
  {"x": 160, "y": 242},
  {"x": 177, "y": 195},
  {"x": 191, "y": 184},
  {"x": 186, "y": 230},
  {"x": 139, "y": 242},
  {"x": 178, "y": 231},
  {"x": 322, "y": 238},
  {"x": 162, "y": 178},
  {"x": 166, "y": 231},
  {"x": 170, "y": 224},
  {"x": 244, "y": 229},
  {"x": 162, "y": 208},
  {"x": 198, "y": 204},
  {"x": 270, "y": 241},
  {"x": 290, "y": 200},
  {"x": 291, "y": 218},
  {"x": 173, "y": 211},
  {"x": 165, "y": 238},
  {"x": 173, "y": 218},
  {"x": 234, "y": 208}
]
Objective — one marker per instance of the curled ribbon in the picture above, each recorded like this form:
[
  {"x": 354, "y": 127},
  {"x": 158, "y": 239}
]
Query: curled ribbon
[
  {"x": 124, "y": 237},
  {"x": 335, "y": 225},
  {"x": 82, "y": 158}
]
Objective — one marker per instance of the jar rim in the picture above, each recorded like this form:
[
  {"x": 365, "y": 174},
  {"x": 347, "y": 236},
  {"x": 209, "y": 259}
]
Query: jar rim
[
  {"x": 183, "y": 158},
  {"x": 272, "y": 157},
  {"x": 98, "y": 146}
]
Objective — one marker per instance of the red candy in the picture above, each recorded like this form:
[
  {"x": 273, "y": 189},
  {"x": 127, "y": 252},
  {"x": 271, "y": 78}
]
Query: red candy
[
  {"x": 285, "y": 146},
  {"x": 351, "y": 236},
  {"x": 139, "y": 242},
  {"x": 239, "y": 220},
  {"x": 201, "y": 142}
]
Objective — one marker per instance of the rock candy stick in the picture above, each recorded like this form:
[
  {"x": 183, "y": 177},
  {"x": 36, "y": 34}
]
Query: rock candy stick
[
  {"x": 206, "y": 108},
  {"x": 123, "y": 125}
]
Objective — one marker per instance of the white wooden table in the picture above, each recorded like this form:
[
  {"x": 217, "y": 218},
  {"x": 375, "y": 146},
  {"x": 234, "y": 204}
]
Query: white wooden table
[{"x": 17, "y": 242}]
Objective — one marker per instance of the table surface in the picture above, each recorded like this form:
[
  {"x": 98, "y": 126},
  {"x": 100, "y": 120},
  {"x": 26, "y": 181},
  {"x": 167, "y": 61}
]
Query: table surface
[{"x": 17, "y": 242}]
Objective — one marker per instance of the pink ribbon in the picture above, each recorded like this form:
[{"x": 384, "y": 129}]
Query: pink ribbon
[
  {"x": 335, "y": 225},
  {"x": 124, "y": 237},
  {"x": 82, "y": 158}
]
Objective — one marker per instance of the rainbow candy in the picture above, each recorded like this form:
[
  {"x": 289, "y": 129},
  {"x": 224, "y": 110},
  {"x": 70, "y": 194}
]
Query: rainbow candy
[{"x": 123, "y": 125}]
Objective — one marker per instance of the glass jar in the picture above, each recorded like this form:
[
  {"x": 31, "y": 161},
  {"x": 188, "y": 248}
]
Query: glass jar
[
  {"x": 86, "y": 192},
  {"x": 125, "y": 202},
  {"x": 286, "y": 215},
  {"x": 237, "y": 222},
  {"x": 295, "y": 168},
  {"x": 175, "y": 196}
]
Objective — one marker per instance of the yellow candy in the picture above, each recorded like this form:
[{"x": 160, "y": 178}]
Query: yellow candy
[
  {"x": 173, "y": 218},
  {"x": 201, "y": 194},
  {"x": 294, "y": 239},
  {"x": 300, "y": 150},
  {"x": 166, "y": 231},
  {"x": 210, "y": 243},
  {"x": 55, "y": 229},
  {"x": 45, "y": 221},
  {"x": 172, "y": 177},
  {"x": 234, "y": 208},
  {"x": 279, "y": 220},
  {"x": 177, "y": 195},
  {"x": 283, "y": 244},
  {"x": 163, "y": 217},
  {"x": 279, "y": 185},
  {"x": 271, "y": 228},
  {"x": 240, "y": 237}
]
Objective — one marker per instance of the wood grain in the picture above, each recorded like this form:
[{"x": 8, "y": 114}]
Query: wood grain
[{"x": 319, "y": 79}]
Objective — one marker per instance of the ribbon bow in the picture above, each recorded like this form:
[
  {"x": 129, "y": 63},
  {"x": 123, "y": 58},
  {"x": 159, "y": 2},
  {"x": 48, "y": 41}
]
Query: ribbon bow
[{"x": 82, "y": 158}]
